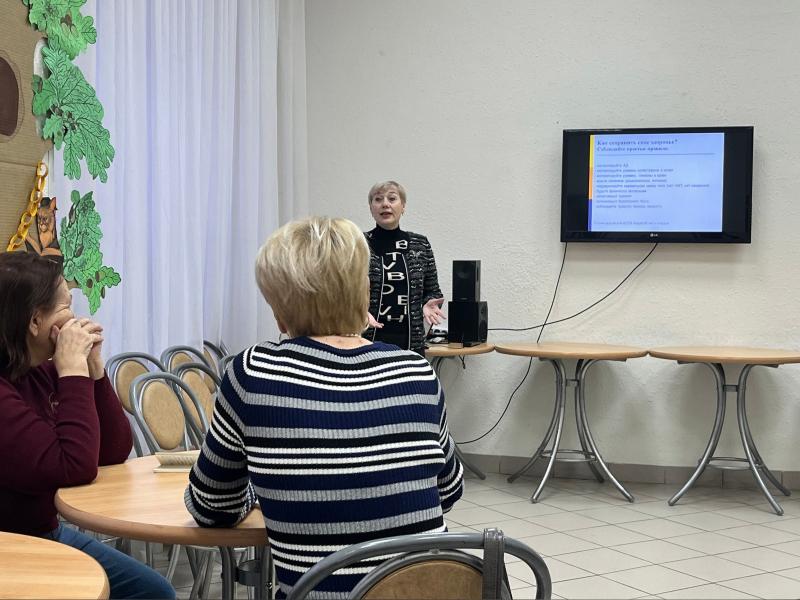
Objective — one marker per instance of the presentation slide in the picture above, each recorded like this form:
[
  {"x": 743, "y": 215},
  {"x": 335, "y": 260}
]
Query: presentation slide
[{"x": 656, "y": 182}]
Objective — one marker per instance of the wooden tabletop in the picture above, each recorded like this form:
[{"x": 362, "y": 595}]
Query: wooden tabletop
[
  {"x": 131, "y": 501},
  {"x": 571, "y": 350},
  {"x": 444, "y": 351},
  {"x": 32, "y": 567},
  {"x": 741, "y": 355}
]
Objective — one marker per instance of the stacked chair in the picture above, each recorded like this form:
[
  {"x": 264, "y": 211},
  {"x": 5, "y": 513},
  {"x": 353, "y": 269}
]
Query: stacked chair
[{"x": 171, "y": 401}]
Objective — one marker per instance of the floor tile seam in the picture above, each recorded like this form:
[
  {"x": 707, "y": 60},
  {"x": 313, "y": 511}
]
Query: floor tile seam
[
  {"x": 745, "y": 524},
  {"x": 620, "y": 548},
  {"x": 786, "y": 576},
  {"x": 758, "y": 575},
  {"x": 702, "y": 585},
  {"x": 568, "y": 534},
  {"x": 676, "y": 572},
  {"x": 762, "y": 571},
  {"x": 644, "y": 593},
  {"x": 489, "y": 523},
  {"x": 663, "y": 537},
  {"x": 671, "y": 541},
  {"x": 693, "y": 512},
  {"x": 649, "y": 563},
  {"x": 759, "y": 544}
]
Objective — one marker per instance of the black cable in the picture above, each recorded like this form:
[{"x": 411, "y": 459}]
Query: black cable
[
  {"x": 530, "y": 362},
  {"x": 546, "y": 322},
  {"x": 641, "y": 262},
  {"x": 555, "y": 291}
]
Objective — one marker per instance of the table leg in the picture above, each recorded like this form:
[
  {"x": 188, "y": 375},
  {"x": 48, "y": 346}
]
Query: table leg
[
  {"x": 547, "y": 436},
  {"x": 579, "y": 392},
  {"x": 228, "y": 573},
  {"x": 582, "y": 422},
  {"x": 436, "y": 363},
  {"x": 561, "y": 403},
  {"x": 750, "y": 450},
  {"x": 719, "y": 378}
]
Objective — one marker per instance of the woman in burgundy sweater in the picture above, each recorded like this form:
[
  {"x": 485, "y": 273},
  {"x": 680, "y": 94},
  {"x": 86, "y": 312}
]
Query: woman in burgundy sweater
[{"x": 59, "y": 415}]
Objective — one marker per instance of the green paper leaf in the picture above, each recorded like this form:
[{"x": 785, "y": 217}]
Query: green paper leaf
[
  {"x": 66, "y": 28},
  {"x": 80, "y": 245},
  {"x": 66, "y": 95},
  {"x": 44, "y": 95},
  {"x": 73, "y": 34},
  {"x": 54, "y": 128},
  {"x": 108, "y": 276}
]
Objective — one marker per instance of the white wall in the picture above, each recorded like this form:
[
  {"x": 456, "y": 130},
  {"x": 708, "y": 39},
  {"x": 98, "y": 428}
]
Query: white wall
[{"x": 464, "y": 103}]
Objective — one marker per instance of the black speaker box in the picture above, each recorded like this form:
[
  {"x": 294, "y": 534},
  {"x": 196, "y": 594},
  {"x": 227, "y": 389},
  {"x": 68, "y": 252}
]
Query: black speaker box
[
  {"x": 467, "y": 322},
  {"x": 467, "y": 280}
]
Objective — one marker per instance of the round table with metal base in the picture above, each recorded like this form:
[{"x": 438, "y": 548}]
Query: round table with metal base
[
  {"x": 587, "y": 355},
  {"x": 436, "y": 355},
  {"x": 131, "y": 501},
  {"x": 714, "y": 357}
]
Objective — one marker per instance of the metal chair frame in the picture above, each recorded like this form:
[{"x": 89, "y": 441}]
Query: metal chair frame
[
  {"x": 219, "y": 350},
  {"x": 196, "y": 366},
  {"x": 194, "y": 435},
  {"x": 420, "y": 548},
  {"x": 168, "y": 354},
  {"x": 225, "y": 360},
  {"x": 113, "y": 365},
  {"x": 202, "y": 567}
]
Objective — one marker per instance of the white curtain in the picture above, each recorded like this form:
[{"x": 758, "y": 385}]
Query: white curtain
[{"x": 209, "y": 133}]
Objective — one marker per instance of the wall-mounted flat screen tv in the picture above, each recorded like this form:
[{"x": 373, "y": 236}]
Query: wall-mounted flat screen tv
[{"x": 677, "y": 184}]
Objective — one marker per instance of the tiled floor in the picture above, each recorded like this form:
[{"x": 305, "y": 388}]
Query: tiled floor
[{"x": 716, "y": 543}]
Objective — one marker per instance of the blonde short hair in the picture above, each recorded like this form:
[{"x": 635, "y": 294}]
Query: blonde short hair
[
  {"x": 382, "y": 186},
  {"x": 313, "y": 273}
]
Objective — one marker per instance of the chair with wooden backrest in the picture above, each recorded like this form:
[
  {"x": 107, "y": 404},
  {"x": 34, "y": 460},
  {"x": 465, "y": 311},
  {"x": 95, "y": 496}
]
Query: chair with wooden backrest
[
  {"x": 432, "y": 567},
  {"x": 171, "y": 418},
  {"x": 176, "y": 355},
  {"x": 195, "y": 375},
  {"x": 163, "y": 413},
  {"x": 214, "y": 353},
  {"x": 122, "y": 369}
]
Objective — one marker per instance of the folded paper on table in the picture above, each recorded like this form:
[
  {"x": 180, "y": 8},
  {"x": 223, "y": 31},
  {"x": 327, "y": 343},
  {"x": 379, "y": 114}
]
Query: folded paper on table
[{"x": 176, "y": 462}]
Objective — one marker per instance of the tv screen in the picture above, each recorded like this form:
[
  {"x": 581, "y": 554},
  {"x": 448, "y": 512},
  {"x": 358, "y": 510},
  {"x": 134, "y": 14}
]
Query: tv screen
[{"x": 679, "y": 184}]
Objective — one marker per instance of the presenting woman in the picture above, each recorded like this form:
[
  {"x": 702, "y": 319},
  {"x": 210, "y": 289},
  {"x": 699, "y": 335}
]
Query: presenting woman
[
  {"x": 340, "y": 440},
  {"x": 59, "y": 416},
  {"x": 404, "y": 287}
]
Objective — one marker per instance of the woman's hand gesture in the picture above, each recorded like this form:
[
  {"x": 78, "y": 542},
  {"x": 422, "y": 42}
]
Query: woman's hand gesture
[
  {"x": 74, "y": 341},
  {"x": 371, "y": 322},
  {"x": 432, "y": 311}
]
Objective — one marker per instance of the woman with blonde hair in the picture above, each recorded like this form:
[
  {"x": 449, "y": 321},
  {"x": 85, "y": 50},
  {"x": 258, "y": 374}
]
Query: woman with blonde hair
[
  {"x": 404, "y": 285},
  {"x": 340, "y": 440}
]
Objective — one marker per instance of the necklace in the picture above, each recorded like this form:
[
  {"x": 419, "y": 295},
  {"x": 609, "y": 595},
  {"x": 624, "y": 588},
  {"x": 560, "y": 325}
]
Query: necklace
[{"x": 339, "y": 339}]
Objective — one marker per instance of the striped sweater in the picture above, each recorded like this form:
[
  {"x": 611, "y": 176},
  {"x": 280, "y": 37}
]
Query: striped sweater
[{"x": 338, "y": 447}]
